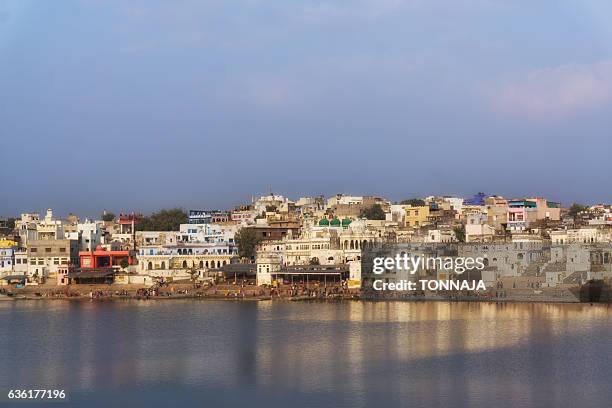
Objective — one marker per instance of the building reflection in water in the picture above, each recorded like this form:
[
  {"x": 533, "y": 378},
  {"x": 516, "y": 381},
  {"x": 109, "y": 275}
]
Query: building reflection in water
[{"x": 355, "y": 352}]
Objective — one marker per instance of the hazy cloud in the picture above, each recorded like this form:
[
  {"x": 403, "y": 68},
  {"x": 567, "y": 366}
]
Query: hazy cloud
[{"x": 551, "y": 92}]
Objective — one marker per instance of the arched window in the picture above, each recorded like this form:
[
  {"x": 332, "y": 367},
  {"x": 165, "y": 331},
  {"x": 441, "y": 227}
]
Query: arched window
[
  {"x": 201, "y": 264},
  {"x": 184, "y": 264},
  {"x": 150, "y": 265},
  {"x": 163, "y": 265}
]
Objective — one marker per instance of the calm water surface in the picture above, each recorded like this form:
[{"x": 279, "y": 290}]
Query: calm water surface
[{"x": 352, "y": 354}]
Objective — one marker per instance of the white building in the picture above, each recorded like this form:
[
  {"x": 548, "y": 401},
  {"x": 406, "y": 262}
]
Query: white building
[
  {"x": 90, "y": 235},
  {"x": 7, "y": 257}
]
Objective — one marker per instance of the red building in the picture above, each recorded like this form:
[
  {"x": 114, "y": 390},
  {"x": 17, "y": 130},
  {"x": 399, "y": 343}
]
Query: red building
[
  {"x": 100, "y": 258},
  {"x": 128, "y": 222}
]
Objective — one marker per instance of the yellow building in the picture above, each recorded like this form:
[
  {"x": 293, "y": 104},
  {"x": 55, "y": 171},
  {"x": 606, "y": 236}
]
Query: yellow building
[
  {"x": 416, "y": 216},
  {"x": 7, "y": 243}
]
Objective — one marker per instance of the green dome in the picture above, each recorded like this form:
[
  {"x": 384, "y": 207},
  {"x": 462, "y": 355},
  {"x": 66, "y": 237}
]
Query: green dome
[
  {"x": 324, "y": 222},
  {"x": 346, "y": 222},
  {"x": 335, "y": 222}
]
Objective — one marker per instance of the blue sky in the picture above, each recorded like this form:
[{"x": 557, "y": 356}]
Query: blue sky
[{"x": 147, "y": 104}]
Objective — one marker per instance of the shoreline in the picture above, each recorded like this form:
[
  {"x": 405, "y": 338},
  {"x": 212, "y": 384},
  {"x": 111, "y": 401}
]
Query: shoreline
[
  {"x": 252, "y": 293},
  {"x": 83, "y": 298}
]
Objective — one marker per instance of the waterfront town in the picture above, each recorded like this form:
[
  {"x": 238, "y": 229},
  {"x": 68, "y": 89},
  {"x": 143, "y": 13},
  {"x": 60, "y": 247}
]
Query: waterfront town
[{"x": 532, "y": 249}]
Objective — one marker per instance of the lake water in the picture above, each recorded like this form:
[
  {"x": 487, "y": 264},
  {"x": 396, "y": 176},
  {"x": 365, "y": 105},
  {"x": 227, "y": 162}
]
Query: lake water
[{"x": 298, "y": 354}]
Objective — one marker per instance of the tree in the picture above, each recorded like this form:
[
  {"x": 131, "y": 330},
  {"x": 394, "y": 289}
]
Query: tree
[
  {"x": 460, "y": 233},
  {"x": 7, "y": 225},
  {"x": 374, "y": 212},
  {"x": 576, "y": 209},
  {"x": 415, "y": 202},
  {"x": 124, "y": 263},
  {"x": 314, "y": 261},
  {"x": 193, "y": 273},
  {"x": 247, "y": 240},
  {"x": 164, "y": 220},
  {"x": 270, "y": 208},
  {"x": 108, "y": 216}
]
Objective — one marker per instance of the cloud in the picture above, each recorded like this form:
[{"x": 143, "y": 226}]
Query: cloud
[
  {"x": 323, "y": 83},
  {"x": 552, "y": 92},
  {"x": 367, "y": 10}
]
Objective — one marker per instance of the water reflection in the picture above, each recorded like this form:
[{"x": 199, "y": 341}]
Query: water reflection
[{"x": 334, "y": 354}]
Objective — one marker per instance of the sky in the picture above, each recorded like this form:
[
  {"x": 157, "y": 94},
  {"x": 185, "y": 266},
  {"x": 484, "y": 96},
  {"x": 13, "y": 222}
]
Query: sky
[{"x": 141, "y": 105}]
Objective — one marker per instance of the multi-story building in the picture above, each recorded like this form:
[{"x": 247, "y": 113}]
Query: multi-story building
[
  {"x": 522, "y": 213},
  {"x": 207, "y": 233},
  {"x": 127, "y": 223},
  {"x": 580, "y": 235},
  {"x": 416, "y": 216},
  {"x": 7, "y": 256},
  {"x": 265, "y": 203},
  {"x": 26, "y": 227},
  {"x": 147, "y": 238},
  {"x": 20, "y": 266},
  {"x": 47, "y": 256},
  {"x": 497, "y": 212},
  {"x": 181, "y": 260},
  {"x": 325, "y": 245},
  {"x": 50, "y": 228},
  {"x": 208, "y": 216},
  {"x": 90, "y": 235},
  {"x": 243, "y": 216}
]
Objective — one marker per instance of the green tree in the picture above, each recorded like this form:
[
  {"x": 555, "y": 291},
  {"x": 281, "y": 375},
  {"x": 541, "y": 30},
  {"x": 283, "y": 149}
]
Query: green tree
[
  {"x": 576, "y": 209},
  {"x": 374, "y": 212},
  {"x": 270, "y": 208},
  {"x": 108, "y": 216},
  {"x": 7, "y": 225},
  {"x": 314, "y": 261},
  {"x": 415, "y": 202},
  {"x": 163, "y": 220},
  {"x": 460, "y": 233},
  {"x": 124, "y": 263},
  {"x": 247, "y": 240}
]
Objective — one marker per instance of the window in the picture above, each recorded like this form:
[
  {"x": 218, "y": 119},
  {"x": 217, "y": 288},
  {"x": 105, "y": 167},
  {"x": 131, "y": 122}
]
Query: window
[
  {"x": 62, "y": 249},
  {"x": 33, "y": 249},
  {"x": 47, "y": 249}
]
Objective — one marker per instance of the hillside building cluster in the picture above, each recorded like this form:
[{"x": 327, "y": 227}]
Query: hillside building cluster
[{"x": 530, "y": 241}]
